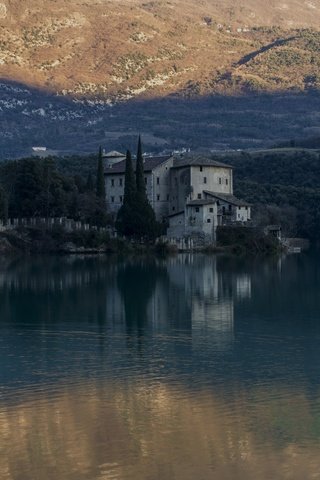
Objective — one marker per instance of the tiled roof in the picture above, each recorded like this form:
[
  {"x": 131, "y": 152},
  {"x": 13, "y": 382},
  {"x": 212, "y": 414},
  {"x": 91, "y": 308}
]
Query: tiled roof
[
  {"x": 150, "y": 163},
  {"x": 197, "y": 160},
  {"x": 228, "y": 198},
  {"x": 176, "y": 214},
  {"x": 200, "y": 203}
]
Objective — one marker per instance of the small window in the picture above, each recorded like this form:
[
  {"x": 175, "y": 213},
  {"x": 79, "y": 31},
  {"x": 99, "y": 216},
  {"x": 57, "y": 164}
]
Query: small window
[
  {"x": 204, "y": 179},
  {"x": 218, "y": 203},
  {"x": 120, "y": 182},
  {"x": 173, "y": 209},
  {"x": 158, "y": 197},
  {"x": 227, "y": 181},
  {"x": 197, "y": 209},
  {"x": 246, "y": 208},
  {"x": 158, "y": 180},
  {"x": 230, "y": 208},
  {"x": 121, "y": 198},
  {"x": 112, "y": 199},
  {"x": 199, "y": 196},
  {"x": 145, "y": 180},
  {"x": 211, "y": 210},
  {"x": 200, "y": 169},
  {"x": 112, "y": 182},
  {"x": 168, "y": 198},
  {"x": 220, "y": 181},
  {"x": 208, "y": 220}
]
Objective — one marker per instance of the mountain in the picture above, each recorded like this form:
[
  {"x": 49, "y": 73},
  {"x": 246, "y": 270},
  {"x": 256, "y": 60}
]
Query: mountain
[{"x": 115, "y": 51}]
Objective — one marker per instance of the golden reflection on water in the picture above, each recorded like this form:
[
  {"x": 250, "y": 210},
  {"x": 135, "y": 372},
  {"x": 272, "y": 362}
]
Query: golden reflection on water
[{"x": 159, "y": 432}]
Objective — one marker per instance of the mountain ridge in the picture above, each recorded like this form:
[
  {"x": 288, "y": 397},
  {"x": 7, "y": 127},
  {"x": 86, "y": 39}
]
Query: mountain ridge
[{"x": 121, "y": 50}]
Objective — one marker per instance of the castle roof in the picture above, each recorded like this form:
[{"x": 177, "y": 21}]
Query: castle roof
[
  {"x": 228, "y": 198},
  {"x": 197, "y": 160},
  {"x": 200, "y": 203},
  {"x": 149, "y": 164}
]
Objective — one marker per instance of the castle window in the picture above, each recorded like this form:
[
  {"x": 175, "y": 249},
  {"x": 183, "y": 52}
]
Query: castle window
[
  {"x": 158, "y": 180},
  {"x": 220, "y": 181},
  {"x": 199, "y": 196},
  {"x": 112, "y": 182},
  {"x": 158, "y": 197},
  {"x": 120, "y": 198},
  {"x": 173, "y": 209},
  {"x": 204, "y": 179},
  {"x": 120, "y": 182},
  {"x": 168, "y": 198},
  {"x": 230, "y": 208},
  {"x": 227, "y": 181},
  {"x": 145, "y": 180},
  {"x": 200, "y": 169},
  {"x": 197, "y": 209},
  {"x": 112, "y": 199},
  {"x": 211, "y": 210},
  {"x": 209, "y": 220}
]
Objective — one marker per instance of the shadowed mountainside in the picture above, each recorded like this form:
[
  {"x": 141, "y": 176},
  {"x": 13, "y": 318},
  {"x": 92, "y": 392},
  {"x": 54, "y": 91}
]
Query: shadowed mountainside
[{"x": 32, "y": 117}]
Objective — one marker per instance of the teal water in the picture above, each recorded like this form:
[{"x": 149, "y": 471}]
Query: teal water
[{"x": 193, "y": 367}]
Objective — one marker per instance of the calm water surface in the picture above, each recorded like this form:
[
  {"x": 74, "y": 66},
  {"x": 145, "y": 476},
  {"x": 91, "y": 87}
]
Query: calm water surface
[{"x": 191, "y": 368}]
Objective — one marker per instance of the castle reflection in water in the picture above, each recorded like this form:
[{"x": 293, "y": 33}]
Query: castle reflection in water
[{"x": 193, "y": 293}]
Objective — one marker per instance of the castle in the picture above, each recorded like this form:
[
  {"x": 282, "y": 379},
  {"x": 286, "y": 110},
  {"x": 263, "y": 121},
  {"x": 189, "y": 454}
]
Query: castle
[{"x": 192, "y": 192}]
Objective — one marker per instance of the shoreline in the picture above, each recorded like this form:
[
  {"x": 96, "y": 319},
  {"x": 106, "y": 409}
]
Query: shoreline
[{"x": 36, "y": 241}]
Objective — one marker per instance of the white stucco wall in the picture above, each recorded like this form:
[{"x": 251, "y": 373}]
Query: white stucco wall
[
  {"x": 214, "y": 179},
  {"x": 158, "y": 191}
]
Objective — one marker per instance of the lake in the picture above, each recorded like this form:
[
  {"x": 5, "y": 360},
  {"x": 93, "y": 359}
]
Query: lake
[{"x": 188, "y": 368}]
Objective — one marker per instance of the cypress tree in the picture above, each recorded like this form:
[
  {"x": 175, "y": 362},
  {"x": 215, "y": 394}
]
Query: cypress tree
[
  {"x": 141, "y": 186},
  {"x": 126, "y": 216},
  {"x": 3, "y": 206},
  {"x": 100, "y": 216},
  {"x": 101, "y": 188},
  {"x": 90, "y": 184},
  {"x": 146, "y": 225},
  {"x": 129, "y": 181}
]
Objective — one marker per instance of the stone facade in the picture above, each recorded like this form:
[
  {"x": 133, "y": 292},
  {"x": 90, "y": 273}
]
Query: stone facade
[
  {"x": 188, "y": 182},
  {"x": 157, "y": 178},
  {"x": 230, "y": 208},
  {"x": 195, "y": 193},
  {"x": 198, "y": 219}
]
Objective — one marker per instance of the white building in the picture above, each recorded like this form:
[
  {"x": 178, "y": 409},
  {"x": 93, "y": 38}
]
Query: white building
[{"x": 195, "y": 193}]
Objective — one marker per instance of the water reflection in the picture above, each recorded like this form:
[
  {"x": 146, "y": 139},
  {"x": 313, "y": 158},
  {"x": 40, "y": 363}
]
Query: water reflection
[
  {"x": 191, "y": 367},
  {"x": 154, "y": 431}
]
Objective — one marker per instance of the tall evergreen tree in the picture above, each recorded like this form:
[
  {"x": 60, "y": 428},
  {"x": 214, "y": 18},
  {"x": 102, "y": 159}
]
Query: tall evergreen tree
[
  {"x": 3, "y": 205},
  {"x": 89, "y": 184},
  {"x": 126, "y": 216},
  {"x": 101, "y": 188},
  {"x": 140, "y": 182},
  {"x": 129, "y": 182},
  {"x": 146, "y": 225}
]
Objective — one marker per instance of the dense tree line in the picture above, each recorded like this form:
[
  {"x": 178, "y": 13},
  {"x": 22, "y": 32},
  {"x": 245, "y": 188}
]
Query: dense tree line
[
  {"x": 36, "y": 188},
  {"x": 283, "y": 186},
  {"x": 75, "y": 188}
]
